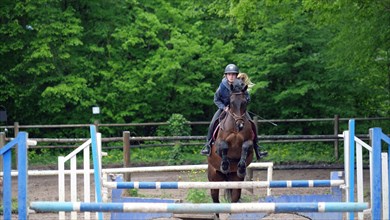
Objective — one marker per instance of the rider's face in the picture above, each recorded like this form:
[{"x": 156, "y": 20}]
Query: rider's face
[{"x": 231, "y": 77}]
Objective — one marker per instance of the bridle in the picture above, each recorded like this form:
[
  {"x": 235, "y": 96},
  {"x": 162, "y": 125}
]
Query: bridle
[
  {"x": 239, "y": 120},
  {"x": 236, "y": 117}
]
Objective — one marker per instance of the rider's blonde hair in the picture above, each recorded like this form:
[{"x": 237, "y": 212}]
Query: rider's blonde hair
[{"x": 245, "y": 78}]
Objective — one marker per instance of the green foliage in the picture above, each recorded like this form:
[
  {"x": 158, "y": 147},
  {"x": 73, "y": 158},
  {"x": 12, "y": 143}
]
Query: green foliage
[
  {"x": 293, "y": 153},
  {"x": 14, "y": 206},
  {"x": 177, "y": 126},
  {"x": 301, "y": 153},
  {"x": 198, "y": 195},
  {"x": 287, "y": 67},
  {"x": 176, "y": 155},
  {"x": 355, "y": 55},
  {"x": 46, "y": 156},
  {"x": 133, "y": 192},
  {"x": 143, "y": 61},
  {"x": 114, "y": 156}
]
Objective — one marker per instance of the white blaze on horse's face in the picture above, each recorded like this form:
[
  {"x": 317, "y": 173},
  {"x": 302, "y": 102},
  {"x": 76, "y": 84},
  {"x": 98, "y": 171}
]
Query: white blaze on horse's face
[{"x": 240, "y": 125}]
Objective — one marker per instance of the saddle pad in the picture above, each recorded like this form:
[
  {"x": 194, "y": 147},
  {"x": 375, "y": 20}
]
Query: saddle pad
[{"x": 215, "y": 132}]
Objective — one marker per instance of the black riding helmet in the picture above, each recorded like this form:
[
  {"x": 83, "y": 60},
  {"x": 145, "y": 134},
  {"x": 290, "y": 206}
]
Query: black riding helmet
[{"x": 231, "y": 68}]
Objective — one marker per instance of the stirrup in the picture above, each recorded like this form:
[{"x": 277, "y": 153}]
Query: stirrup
[
  {"x": 263, "y": 154},
  {"x": 260, "y": 154},
  {"x": 206, "y": 150}
]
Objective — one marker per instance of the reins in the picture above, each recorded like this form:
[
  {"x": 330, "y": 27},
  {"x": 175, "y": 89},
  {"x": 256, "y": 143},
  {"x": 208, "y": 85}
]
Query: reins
[{"x": 234, "y": 116}]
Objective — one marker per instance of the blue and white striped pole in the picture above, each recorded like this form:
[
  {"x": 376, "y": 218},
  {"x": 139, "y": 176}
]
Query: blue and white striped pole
[
  {"x": 224, "y": 185},
  {"x": 199, "y": 208}
]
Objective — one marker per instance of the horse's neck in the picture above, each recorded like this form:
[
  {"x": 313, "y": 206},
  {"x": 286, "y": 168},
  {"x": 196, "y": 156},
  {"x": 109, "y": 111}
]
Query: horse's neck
[{"x": 228, "y": 122}]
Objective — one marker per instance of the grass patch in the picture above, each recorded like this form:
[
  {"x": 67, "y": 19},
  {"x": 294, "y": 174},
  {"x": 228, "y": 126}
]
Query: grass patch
[
  {"x": 283, "y": 153},
  {"x": 301, "y": 153},
  {"x": 198, "y": 195},
  {"x": 14, "y": 207}
]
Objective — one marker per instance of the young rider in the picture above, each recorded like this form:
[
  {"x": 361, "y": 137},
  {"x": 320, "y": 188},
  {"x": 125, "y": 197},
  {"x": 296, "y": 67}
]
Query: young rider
[{"x": 222, "y": 99}]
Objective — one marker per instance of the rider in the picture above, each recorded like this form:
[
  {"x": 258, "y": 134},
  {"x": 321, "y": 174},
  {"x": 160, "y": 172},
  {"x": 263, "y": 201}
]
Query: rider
[{"x": 222, "y": 99}]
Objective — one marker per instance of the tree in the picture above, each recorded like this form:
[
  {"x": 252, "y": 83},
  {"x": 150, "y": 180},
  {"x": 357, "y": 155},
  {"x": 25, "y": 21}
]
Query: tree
[
  {"x": 43, "y": 35},
  {"x": 280, "y": 48},
  {"x": 143, "y": 61},
  {"x": 358, "y": 54}
]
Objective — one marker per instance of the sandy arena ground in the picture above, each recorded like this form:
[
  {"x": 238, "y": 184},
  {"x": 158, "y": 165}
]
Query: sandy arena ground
[{"x": 45, "y": 188}]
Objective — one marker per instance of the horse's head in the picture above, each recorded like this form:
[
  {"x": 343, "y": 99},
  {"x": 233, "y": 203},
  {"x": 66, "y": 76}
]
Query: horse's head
[{"x": 238, "y": 102}]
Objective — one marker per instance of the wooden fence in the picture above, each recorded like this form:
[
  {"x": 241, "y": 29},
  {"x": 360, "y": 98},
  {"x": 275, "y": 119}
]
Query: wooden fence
[{"x": 127, "y": 138}]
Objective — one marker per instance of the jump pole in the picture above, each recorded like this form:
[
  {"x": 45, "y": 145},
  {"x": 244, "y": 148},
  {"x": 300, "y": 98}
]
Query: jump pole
[
  {"x": 199, "y": 208},
  {"x": 224, "y": 185}
]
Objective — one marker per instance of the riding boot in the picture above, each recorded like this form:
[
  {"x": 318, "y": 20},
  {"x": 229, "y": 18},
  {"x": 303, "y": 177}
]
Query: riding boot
[
  {"x": 259, "y": 154},
  {"x": 206, "y": 150},
  {"x": 256, "y": 146}
]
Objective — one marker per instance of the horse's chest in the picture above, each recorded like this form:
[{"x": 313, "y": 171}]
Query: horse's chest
[{"x": 238, "y": 137}]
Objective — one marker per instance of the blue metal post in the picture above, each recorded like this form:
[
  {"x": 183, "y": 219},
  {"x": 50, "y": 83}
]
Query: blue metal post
[
  {"x": 375, "y": 135},
  {"x": 7, "y": 184},
  {"x": 6, "y": 151},
  {"x": 95, "y": 156},
  {"x": 386, "y": 139},
  {"x": 22, "y": 176},
  {"x": 388, "y": 164},
  {"x": 351, "y": 177}
]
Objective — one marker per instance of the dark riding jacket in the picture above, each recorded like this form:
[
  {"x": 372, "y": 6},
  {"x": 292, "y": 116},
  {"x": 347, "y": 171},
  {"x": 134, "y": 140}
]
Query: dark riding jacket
[{"x": 222, "y": 95}]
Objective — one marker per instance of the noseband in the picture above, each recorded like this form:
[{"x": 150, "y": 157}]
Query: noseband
[
  {"x": 238, "y": 120},
  {"x": 237, "y": 117}
]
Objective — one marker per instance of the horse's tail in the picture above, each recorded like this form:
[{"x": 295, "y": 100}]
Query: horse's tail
[{"x": 228, "y": 195}]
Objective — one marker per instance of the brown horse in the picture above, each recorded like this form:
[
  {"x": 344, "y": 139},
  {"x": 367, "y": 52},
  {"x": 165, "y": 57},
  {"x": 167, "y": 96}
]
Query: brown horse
[{"x": 232, "y": 151}]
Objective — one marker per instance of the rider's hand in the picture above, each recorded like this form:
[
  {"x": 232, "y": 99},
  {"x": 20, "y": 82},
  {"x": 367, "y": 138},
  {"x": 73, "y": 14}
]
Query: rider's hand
[{"x": 226, "y": 108}]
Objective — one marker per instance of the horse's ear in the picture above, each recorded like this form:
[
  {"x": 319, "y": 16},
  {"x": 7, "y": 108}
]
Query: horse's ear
[{"x": 231, "y": 87}]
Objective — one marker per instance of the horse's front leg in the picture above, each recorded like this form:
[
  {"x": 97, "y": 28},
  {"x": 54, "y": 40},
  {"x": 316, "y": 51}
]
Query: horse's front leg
[
  {"x": 241, "y": 171},
  {"x": 236, "y": 195},
  {"x": 223, "y": 150},
  {"x": 214, "y": 195},
  {"x": 214, "y": 175}
]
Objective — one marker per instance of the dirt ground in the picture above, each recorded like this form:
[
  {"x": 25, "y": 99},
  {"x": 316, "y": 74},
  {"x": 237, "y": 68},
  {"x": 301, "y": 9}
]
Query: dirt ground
[{"x": 45, "y": 188}]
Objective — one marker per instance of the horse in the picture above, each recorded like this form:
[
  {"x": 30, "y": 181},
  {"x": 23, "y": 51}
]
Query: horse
[{"x": 232, "y": 150}]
